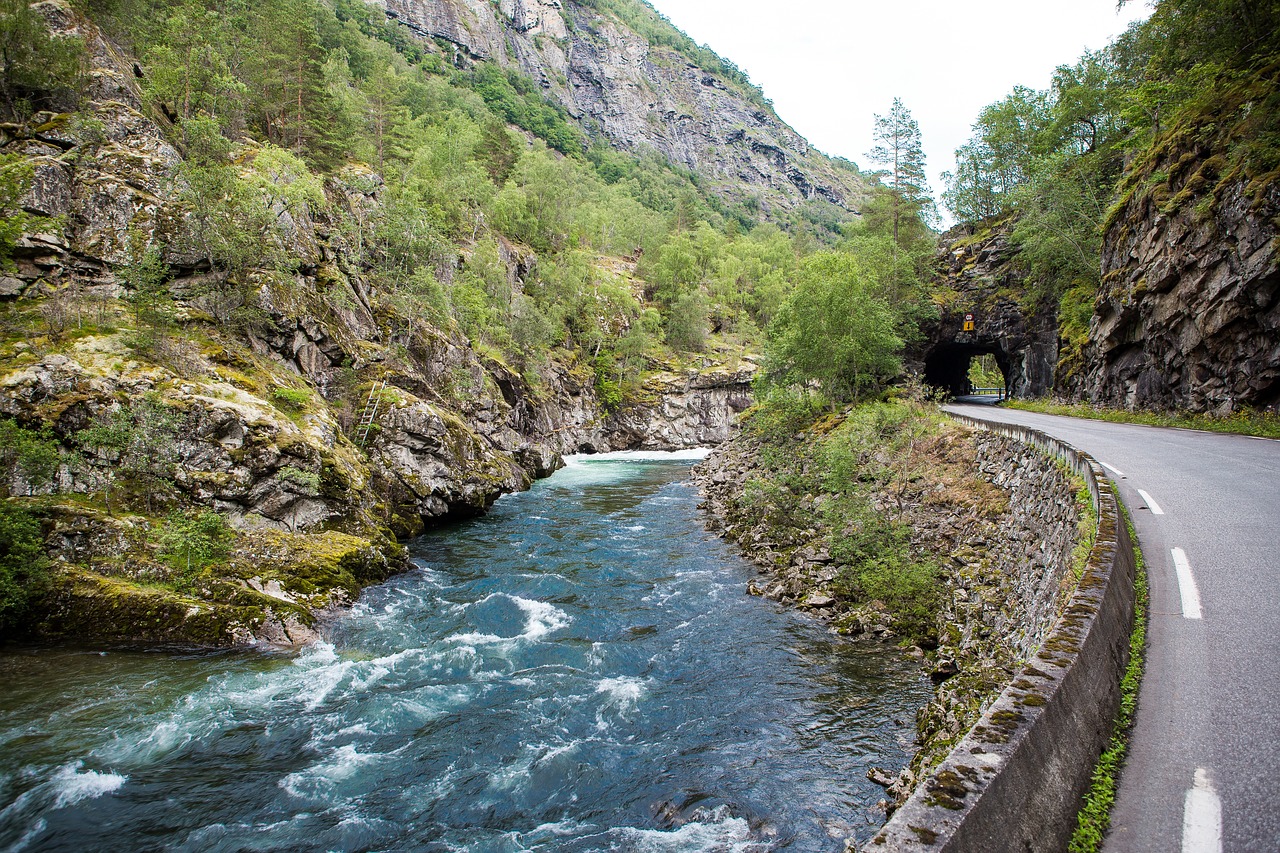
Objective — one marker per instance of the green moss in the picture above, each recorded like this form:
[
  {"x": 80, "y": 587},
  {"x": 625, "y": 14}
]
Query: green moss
[
  {"x": 1007, "y": 719},
  {"x": 926, "y": 835},
  {"x": 335, "y": 483},
  {"x": 85, "y": 604},
  {"x": 946, "y": 789},
  {"x": 308, "y": 564},
  {"x": 1210, "y": 146},
  {"x": 291, "y": 400}
]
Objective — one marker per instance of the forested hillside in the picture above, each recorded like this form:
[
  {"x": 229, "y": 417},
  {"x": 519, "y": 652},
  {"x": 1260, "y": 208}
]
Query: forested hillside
[
  {"x": 285, "y": 281},
  {"x": 302, "y": 277}
]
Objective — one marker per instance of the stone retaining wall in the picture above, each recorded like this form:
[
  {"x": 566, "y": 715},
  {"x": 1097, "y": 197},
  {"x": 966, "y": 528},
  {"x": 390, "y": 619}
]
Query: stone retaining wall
[
  {"x": 1016, "y": 780},
  {"x": 1037, "y": 538}
]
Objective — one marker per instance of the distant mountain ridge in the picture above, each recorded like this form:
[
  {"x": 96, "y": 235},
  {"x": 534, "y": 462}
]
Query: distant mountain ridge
[{"x": 639, "y": 93}]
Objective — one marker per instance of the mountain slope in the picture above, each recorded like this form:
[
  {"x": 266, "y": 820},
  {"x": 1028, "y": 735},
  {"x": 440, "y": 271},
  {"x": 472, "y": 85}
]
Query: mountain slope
[{"x": 655, "y": 89}]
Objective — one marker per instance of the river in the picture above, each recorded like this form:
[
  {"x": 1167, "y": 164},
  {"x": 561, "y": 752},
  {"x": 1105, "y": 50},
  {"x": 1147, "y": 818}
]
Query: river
[{"x": 579, "y": 670}]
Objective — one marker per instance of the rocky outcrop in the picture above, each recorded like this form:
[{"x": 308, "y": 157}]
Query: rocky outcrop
[
  {"x": 1188, "y": 313},
  {"x": 1188, "y": 316},
  {"x": 694, "y": 409},
  {"x": 976, "y": 272},
  {"x": 643, "y": 95},
  {"x": 275, "y": 587},
  {"x": 100, "y": 178}
]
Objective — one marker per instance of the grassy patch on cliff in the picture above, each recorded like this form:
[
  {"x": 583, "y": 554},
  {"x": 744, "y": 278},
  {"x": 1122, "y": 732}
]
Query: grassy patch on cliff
[{"x": 1243, "y": 422}]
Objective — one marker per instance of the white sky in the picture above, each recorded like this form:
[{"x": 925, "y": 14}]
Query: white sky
[{"x": 830, "y": 65}]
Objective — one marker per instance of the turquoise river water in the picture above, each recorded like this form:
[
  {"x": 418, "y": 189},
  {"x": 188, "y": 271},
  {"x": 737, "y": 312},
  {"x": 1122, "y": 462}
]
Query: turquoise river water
[{"x": 579, "y": 670}]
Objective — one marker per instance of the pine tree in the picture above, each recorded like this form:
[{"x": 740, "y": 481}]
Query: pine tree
[
  {"x": 187, "y": 67},
  {"x": 899, "y": 151},
  {"x": 292, "y": 103}
]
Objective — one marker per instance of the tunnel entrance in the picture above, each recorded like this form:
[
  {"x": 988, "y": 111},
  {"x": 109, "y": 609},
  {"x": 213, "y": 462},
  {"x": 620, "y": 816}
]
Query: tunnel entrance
[{"x": 947, "y": 367}]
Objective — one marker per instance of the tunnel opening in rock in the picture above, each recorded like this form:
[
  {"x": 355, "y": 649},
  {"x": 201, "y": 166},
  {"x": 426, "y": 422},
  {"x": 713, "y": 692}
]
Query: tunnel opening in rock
[{"x": 950, "y": 367}]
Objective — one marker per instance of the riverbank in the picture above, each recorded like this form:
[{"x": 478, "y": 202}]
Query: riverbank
[
  {"x": 890, "y": 521},
  {"x": 199, "y": 513}
]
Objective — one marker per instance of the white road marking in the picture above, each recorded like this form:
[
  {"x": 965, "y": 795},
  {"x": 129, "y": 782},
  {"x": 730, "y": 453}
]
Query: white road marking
[
  {"x": 1202, "y": 817},
  {"x": 1151, "y": 503},
  {"x": 1115, "y": 471},
  {"x": 1186, "y": 585}
]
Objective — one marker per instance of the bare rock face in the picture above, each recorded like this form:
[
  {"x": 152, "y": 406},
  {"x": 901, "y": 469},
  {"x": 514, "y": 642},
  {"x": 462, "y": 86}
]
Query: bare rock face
[
  {"x": 697, "y": 409},
  {"x": 1189, "y": 313},
  {"x": 97, "y": 179},
  {"x": 642, "y": 96}
]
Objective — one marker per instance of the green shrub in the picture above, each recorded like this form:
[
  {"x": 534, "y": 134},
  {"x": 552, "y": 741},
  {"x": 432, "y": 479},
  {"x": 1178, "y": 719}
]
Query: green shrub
[
  {"x": 859, "y": 464},
  {"x": 687, "y": 322},
  {"x": 42, "y": 70},
  {"x": 31, "y": 455},
  {"x": 191, "y": 541},
  {"x": 781, "y": 412},
  {"x": 607, "y": 386},
  {"x": 140, "y": 441},
  {"x": 308, "y": 480},
  {"x": 878, "y": 565},
  {"x": 23, "y": 566},
  {"x": 15, "y": 179}
]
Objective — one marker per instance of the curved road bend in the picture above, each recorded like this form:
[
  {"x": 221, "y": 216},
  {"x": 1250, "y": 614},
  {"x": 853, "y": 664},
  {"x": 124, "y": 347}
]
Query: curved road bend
[{"x": 1203, "y": 773}]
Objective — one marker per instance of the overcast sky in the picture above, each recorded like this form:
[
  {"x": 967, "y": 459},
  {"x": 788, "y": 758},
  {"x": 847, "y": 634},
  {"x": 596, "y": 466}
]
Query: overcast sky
[{"x": 830, "y": 65}]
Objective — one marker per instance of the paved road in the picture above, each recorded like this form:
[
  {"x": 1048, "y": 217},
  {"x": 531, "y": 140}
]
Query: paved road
[{"x": 1203, "y": 773}]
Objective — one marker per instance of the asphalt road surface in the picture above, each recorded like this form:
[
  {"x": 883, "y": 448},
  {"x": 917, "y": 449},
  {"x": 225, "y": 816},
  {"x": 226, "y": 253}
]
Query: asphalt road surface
[{"x": 1203, "y": 772}]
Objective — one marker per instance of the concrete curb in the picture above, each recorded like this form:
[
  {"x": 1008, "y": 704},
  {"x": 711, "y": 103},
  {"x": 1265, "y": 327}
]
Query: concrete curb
[{"x": 1016, "y": 779}]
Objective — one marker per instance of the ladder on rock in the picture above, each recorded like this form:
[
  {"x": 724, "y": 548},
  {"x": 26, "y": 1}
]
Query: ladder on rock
[{"x": 370, "y": 411}]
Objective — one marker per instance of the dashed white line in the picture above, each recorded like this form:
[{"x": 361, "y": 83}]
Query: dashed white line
[
  {"x": 1202, "y": 817},
  {"x": 1151, "y": 503},
  {"x": 1186, "y": 585},
  {"x": 1113, "y": 470}
]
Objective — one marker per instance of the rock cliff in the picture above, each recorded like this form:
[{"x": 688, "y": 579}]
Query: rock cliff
[
  {"x": 668, "y": 96},
  {"x": 1189, "y": 312}
]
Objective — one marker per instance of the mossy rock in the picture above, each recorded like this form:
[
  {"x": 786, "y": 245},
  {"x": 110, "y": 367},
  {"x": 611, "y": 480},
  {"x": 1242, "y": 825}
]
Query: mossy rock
[
  {"x": 310, "y": 564},
  {"x": 85, "y": 605}
]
